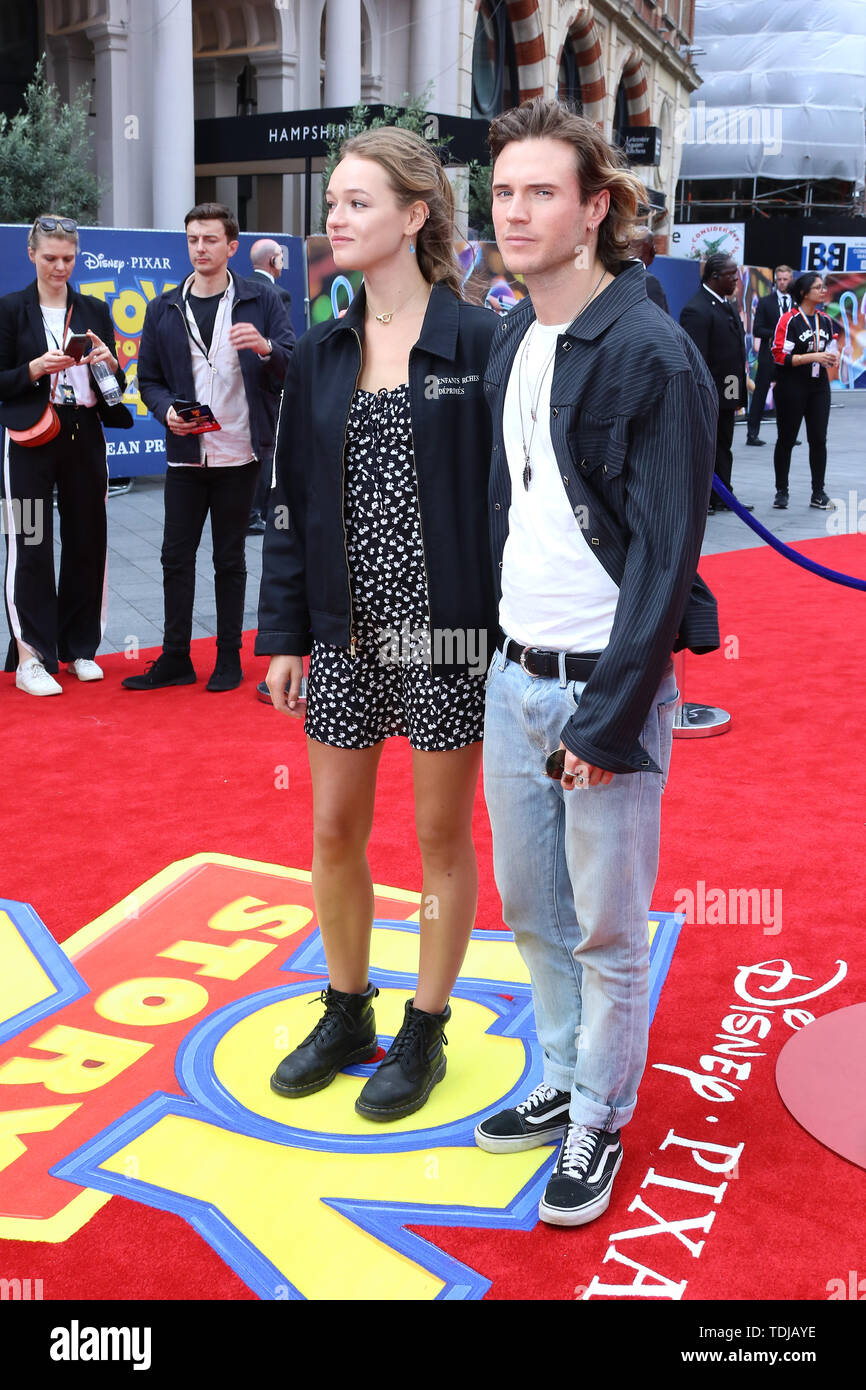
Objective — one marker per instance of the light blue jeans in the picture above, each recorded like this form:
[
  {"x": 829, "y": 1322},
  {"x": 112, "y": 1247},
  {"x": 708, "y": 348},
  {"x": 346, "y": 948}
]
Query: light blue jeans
[{"x": 576, "y": 871}]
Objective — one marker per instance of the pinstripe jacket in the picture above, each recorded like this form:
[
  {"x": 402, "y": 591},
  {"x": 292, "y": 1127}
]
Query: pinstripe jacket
[{"x": 633, "y": 424}]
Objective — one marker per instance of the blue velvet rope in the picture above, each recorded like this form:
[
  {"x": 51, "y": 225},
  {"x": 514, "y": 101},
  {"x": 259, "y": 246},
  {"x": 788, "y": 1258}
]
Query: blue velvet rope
[{"x": 802, "y": 560}]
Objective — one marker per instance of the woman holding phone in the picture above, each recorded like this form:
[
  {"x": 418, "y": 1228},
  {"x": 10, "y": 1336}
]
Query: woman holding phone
[
  {"x": 376, "y": 560},
  {"x": 804, "y": 346},
  {"x": 45, "y": 332}
]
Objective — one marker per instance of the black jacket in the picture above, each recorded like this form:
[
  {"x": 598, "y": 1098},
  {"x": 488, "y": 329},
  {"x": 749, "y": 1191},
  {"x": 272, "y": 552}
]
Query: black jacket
[
  {"x": 633, "y": 426},
  {"x": 717, "y": 329},
  {"x": 767, "y": 315},
  {"x": 259, "y": 277},
  {"x": 165, "y": 363},
  {"x": 305, "y": 590},
  {"x": 795, "y": 335},
  {"x": 22, "y": 337},
  {"x": 655, "y": 292}
]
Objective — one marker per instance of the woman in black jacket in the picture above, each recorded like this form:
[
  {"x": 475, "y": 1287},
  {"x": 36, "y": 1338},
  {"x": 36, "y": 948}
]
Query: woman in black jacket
[
  {"x": 376, "y": 559},
  {"x": 49, "y": 624},
  {"x": 801, "y": 387}
]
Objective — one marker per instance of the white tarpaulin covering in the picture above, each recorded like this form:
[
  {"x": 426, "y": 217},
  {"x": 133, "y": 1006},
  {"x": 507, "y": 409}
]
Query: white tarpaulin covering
[{"x": 784, "y": 91}]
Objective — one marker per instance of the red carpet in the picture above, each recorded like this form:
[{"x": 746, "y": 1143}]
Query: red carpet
[{"x": 106, "y": 787}]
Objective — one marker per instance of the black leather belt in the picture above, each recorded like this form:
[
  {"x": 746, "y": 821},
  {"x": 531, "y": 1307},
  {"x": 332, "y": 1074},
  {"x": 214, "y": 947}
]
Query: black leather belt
[{"x": 579, "y": 666}]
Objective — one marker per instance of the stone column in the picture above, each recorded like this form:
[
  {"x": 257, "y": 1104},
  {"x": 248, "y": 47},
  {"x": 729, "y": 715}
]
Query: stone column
[
  {"x": 117, "y": 128},
  {"x": 343, "y": 53},
  {"x": 280, "y": 195},
  {"x": 173, "y": 113},
  {"x": 425, "y": 45},
  {"x": 215, "y": 87}
]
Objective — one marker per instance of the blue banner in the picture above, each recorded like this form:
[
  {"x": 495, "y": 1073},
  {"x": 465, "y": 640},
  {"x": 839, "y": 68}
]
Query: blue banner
[{"x": 127, "y": 268}]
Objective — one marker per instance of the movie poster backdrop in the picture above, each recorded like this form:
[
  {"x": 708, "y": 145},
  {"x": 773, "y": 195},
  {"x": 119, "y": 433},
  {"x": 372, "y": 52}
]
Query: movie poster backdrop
[{"x": 127, "y": 268}]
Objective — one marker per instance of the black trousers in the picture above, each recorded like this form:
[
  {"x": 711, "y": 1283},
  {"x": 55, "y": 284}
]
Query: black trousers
[
  {"x": 59, "y": 621},
  {"x": 763, "y": 379},
  {"x": 724, "y": 440},
  {"x": 263, "y": 486},
  {"x": 190, "y": 493},
  {"x": 797, "y": 400}
]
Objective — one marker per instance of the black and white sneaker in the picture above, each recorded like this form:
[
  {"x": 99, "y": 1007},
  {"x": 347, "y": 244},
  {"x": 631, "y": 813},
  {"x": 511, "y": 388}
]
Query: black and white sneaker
[
  {"x": 823, "y": 502},
  {"x": 540, "y": 1119},
  {"x": 579, "y": 1187}
]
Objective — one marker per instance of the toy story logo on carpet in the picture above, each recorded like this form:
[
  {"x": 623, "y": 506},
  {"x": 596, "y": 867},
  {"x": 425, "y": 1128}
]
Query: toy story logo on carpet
[{"x": 136, "y": 1060}]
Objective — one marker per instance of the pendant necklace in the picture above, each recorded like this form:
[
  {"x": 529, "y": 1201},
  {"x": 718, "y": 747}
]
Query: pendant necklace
[
  {"x": 387, "y": 317},
  {"x": 533, "y": 405}
]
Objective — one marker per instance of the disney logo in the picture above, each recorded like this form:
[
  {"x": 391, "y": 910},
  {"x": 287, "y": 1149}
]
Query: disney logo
[{"x": 94, "y": 260}]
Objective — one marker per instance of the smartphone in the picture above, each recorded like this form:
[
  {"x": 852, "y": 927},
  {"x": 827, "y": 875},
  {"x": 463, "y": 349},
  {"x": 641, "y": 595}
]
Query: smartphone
[
  {"x": 77, "y": 346},
  {"x": 193, "y": 413}
]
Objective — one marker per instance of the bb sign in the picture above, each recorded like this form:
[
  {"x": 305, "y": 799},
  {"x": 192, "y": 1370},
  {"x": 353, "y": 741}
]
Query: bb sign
[{"x": 841, "y": 253}]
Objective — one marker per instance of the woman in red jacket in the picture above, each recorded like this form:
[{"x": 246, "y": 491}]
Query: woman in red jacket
[{"x": 804, "y": 346}]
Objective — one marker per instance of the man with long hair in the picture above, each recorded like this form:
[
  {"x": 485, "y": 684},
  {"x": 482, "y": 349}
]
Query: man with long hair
[{"x": 604, "y": 423}]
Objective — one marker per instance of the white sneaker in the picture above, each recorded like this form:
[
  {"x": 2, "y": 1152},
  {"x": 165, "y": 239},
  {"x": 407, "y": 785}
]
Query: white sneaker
[
  {"x": 86, "y": 670},
  {"x": 32, "y": 677}
]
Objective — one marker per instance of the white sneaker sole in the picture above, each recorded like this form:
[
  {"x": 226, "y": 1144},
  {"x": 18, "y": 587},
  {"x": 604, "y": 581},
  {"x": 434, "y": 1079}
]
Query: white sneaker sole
[
  {"x": 28, "y": 690},
  {"x": 494, "y": 1144},
  {"x": 99, "y": 677},
  {"x": 557, "y": 1216}
]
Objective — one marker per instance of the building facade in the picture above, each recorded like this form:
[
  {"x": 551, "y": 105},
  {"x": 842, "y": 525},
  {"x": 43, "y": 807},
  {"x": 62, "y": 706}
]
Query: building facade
[{"x": 152, "y": 67}]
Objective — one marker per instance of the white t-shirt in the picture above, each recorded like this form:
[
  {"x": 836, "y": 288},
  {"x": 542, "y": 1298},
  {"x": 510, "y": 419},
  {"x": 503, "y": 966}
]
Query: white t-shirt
[
  {"x": 555, "y": 593},
  {"x": 219, "y": 383},
  {"x": 79, "y": 377}
]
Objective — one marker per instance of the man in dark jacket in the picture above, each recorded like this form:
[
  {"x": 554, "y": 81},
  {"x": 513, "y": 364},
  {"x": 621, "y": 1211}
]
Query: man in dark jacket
[
  {"x": 214, "y": 341},
  {"x": 604, "y": 420},
  {"x": 643, "y": 248},
  {"x": 266, "y": 257},
  {"x": 768, "y": 311},
  {"x": 712, "y": 321}
]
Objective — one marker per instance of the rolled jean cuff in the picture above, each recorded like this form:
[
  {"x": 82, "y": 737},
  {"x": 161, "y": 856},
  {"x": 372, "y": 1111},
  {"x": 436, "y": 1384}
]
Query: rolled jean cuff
[{"x": 582, "y": 1111}]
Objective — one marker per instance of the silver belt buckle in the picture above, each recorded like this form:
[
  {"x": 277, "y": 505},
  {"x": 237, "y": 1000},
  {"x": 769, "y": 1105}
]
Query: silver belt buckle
[{"x": 524, "y": 665}]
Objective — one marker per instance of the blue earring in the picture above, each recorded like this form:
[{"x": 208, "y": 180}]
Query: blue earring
[{"x": 411, "y": 248}]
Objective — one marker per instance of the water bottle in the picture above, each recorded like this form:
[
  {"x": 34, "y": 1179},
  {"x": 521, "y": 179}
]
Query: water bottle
[{"x": 106, "y": 382}]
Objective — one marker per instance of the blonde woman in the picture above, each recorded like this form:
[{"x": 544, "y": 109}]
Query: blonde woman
[
  {"x": 64, "y": 623},
  {"x": 376, "y": 560}
]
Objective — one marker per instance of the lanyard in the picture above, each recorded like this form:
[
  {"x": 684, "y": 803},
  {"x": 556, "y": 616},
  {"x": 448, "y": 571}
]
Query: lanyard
[
  {"x": 56, "y": 376},
  {"x": 814, "y": 328},
  {"x": 199, "y": 343}
]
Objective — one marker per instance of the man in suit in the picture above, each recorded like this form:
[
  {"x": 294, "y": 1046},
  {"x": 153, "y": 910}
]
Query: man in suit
[
  {"x": 712, "y": 321},
  {"x": 604, "y": 422},
  {"x": 769, "y": 310},
  {"x": 266, "y": 257},
  {"x": 642, "y": 247}
]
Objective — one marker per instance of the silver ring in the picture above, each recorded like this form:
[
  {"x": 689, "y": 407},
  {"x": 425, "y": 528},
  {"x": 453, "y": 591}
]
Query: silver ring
[{"x": 579, "y": 779}]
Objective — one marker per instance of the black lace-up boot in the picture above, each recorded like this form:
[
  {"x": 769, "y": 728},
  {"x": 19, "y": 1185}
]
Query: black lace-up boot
[
  {"x": 345, "y": 1033},
  {"x": 414, "y": 1063}
]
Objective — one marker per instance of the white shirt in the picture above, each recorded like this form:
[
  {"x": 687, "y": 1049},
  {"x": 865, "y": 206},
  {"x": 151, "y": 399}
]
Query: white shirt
[
  {"x": 79, "y": 377},
  {"x": 219, "y": 383},
  {"x": 555, "y": 593}
]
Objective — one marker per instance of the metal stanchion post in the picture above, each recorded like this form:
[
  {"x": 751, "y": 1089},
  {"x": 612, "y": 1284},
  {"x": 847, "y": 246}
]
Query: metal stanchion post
[{"x": 696, "y": 721}]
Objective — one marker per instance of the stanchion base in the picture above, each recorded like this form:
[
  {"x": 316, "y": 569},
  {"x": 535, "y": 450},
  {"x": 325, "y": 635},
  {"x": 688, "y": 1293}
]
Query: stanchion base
[{"x": 700, "y": 721}]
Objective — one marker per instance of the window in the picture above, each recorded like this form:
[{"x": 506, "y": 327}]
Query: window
[
  {"x": 620, "y": 114},
  {"x": 495, "y": 85},
  {"x": 568, "y": 79}
]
